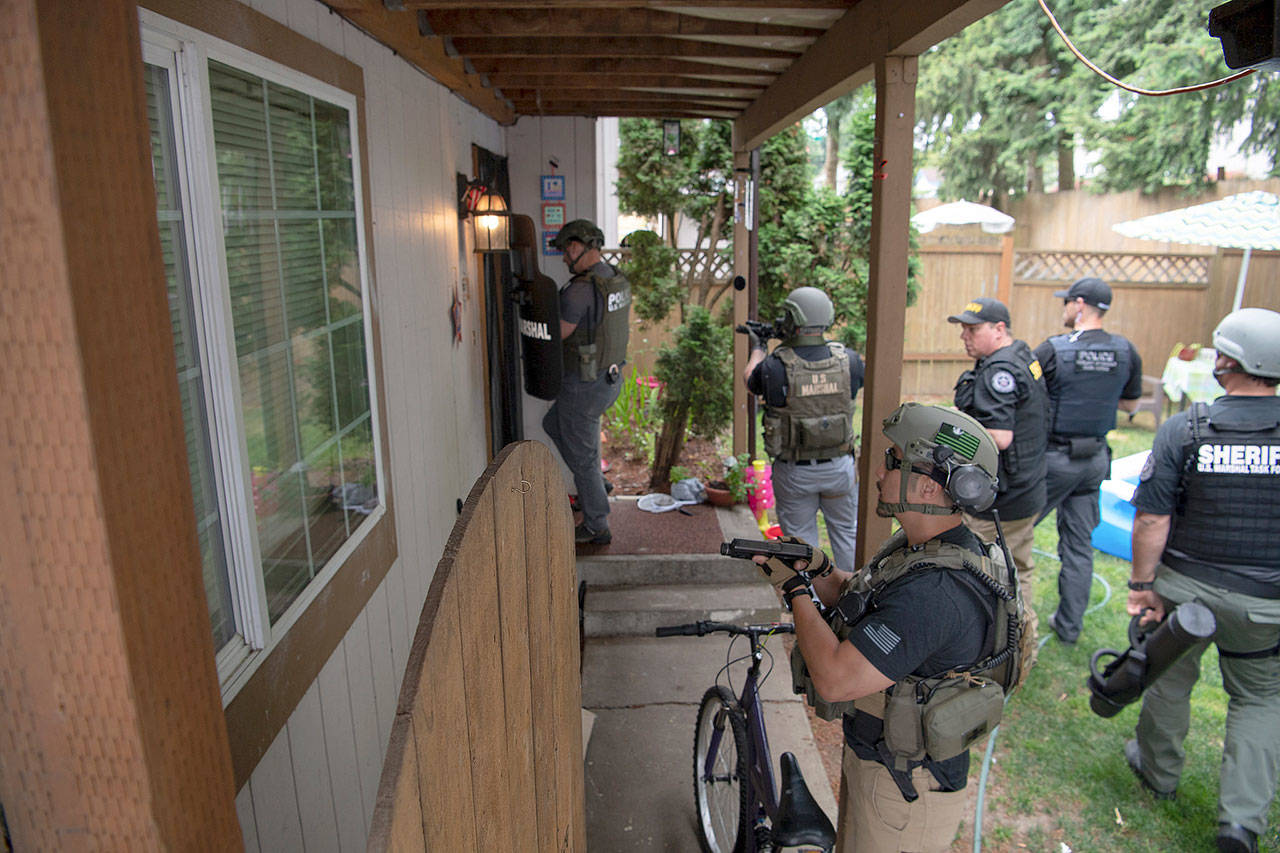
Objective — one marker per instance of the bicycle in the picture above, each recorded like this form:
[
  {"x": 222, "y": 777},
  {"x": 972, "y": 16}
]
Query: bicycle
[{"x": 733, "y": 783}]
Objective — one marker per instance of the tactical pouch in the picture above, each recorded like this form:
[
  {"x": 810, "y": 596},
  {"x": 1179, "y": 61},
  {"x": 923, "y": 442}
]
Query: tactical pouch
[
  {"x": 1083, "y": 446},
  {"x": 774, "y": 440},
  {"x": 903, "y": 734},
  {"x": 960, "y": 711},
  {"x": 820, "y": 432},
  {"x": 802, "y": 684},
  {"x": 587, "y": 362}
]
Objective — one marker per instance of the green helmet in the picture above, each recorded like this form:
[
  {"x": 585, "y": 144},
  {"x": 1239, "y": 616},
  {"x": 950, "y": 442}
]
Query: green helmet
[
  {"x": 582, "y": 230},
  {"x": 807, "y": 307},
  {"x": 1252, "y": 337},
  {"x": 959, "y": 452}
]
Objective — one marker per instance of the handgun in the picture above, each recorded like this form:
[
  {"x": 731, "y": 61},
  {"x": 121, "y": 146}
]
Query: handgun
[{"x": 747, "y": 548}]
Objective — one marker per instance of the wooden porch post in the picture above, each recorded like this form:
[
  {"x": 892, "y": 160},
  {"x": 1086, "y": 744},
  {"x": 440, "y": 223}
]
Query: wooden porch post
[
  {"x": 887, "y": 291},
  {"x": 742, "y": 267},
  {"x": 111, "y": 718}
]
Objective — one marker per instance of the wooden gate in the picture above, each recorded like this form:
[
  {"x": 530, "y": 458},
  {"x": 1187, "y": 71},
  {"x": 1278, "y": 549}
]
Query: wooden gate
[{"x": 486, "y": 748}]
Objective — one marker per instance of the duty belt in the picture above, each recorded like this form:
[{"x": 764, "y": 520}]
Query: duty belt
[{"x": 812, "y": 461}]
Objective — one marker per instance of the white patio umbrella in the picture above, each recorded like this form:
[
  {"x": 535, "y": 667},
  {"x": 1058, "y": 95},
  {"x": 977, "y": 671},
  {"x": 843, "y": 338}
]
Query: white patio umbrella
[
  {"x": 963, "y": 213},
  {"x": 1243, "y": 221}
]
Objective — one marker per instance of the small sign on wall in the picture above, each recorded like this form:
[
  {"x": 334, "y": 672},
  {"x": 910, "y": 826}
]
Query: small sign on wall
[
  {"x": 547, "y": 248},
  {"x": 553, "y": 213},
  {"x": 553, "y": 187}
]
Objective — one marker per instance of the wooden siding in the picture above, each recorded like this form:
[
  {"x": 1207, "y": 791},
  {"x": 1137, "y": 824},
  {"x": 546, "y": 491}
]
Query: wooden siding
[
  {"x": 488, "y": 756},
  {"x": 316, "y": 785}
]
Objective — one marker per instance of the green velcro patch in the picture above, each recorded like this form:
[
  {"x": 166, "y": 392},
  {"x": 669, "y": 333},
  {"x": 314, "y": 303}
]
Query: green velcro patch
[{"x": 964, "y": 443}]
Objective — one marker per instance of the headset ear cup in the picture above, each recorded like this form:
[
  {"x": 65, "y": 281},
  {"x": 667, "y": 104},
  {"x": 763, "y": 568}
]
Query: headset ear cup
[{"x": 971, "y": 488}]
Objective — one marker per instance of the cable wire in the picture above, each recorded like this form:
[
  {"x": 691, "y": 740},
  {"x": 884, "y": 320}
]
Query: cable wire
[
  {"x": 991, "y": 740},
  {"x": 1152, "y": 92}
]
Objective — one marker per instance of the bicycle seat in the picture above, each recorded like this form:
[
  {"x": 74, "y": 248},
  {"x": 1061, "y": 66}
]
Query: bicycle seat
[{"x": 800, "y": 819}]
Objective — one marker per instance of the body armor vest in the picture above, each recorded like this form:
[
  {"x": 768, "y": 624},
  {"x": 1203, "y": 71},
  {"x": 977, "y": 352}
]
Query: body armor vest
[
  {"x": 817, "y": 421},
  {"x": 1022, "y": 462},
  {"x": 1227, "y": 520},
  {"x": 1089, "y": 380},
  {"x": 601, "y": 343},
  {"x": 942, "y": 714}
]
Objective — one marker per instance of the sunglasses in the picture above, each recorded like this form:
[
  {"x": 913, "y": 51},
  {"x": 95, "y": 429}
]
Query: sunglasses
[{"x": 891, "y": 462}]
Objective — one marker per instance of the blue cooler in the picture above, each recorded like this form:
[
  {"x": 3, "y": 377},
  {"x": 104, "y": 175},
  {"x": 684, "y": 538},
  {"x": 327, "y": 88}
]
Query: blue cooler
[{"x": 1114, "y": 532}]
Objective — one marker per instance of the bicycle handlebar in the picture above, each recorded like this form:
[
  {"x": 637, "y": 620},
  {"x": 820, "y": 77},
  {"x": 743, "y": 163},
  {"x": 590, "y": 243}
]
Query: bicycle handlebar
[{"x": 706, "y": 626}]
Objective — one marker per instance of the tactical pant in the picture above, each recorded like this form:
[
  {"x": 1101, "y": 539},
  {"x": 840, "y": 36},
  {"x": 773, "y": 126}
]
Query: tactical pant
[
  {"x": 573, "y": 422},
  {"x": 874, "y": 818},
  {"x": 1251, "y": 746},
  {"x": 1019, "y": 535},
  {"x": 1072, "y": 488},
  {"x": 799, "y": 491}
]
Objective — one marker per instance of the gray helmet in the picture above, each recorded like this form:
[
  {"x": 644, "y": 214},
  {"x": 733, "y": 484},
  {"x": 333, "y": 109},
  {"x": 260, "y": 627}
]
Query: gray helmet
[
  {"x": 582, "y": 230},
  {"x": 960, "y": 453},
  {"x": 808, "y": 306},
  {"x": 1252, "y": 337}
]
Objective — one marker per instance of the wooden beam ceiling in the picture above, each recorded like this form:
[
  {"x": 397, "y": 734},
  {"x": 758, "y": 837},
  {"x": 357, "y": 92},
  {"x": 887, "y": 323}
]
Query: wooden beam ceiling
[
  {"x": 761, "y": 63},
  {"x": 596, "y": 23}
]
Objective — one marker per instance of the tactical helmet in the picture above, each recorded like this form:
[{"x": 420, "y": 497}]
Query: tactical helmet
[
  {"x": 582, "y": 230},
  {"x": 808, "y": 306},
  {"x": 1252, "y": 337},
  {"x": 960, "y": 453}
]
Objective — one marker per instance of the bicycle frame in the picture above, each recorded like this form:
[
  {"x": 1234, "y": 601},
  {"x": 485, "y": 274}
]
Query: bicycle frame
[
  {"x": 765, "y": 815},
  {"x": 760, "y": 762}
]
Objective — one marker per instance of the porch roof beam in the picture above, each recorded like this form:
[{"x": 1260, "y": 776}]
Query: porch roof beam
[
  {"x": 758, "y": 71},
  {"x": 659, "y": 47},
  {"x": 595, "y": 23},
  {"x": 519, "y": 96},
  {"x": 619, "y": 4},
  {"x": 593, "y": 109},
  {"x": 559, "y": 82},
  {"x": 844, "y": 57},
  {"x": 400, "y": 32}
]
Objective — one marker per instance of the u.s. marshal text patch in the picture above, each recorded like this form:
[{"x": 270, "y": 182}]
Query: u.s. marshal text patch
[{"x": 1002, "y": 382}]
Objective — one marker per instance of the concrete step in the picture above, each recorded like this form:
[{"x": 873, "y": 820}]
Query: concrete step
[
  {"x": 637, "y": 611},
  {"x": 627, "y": 570}
]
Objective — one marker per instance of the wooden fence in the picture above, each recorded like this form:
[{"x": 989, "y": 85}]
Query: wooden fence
[
  {"x": 486, "y": 748},
  {"x": 1160, "y": 299}
]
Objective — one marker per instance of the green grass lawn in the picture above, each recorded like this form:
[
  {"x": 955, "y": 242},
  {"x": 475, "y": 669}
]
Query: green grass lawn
[{"x": 1058, "y": 774}]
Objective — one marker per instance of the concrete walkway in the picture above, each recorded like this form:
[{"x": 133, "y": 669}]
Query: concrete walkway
[{"x": 641, "y": 694}]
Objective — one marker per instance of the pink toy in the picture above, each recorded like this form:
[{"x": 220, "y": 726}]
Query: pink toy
[{"x": 760, "y": 493}]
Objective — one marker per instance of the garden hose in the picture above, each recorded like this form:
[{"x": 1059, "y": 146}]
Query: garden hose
[{"x": 991, "y": 741}]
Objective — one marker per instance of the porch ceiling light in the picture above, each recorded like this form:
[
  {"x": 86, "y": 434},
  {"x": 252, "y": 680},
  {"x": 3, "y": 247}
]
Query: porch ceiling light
[{"x": 671, "y": 137}]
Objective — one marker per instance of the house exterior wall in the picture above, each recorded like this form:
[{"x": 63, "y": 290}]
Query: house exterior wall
[
  {"x": 531, "y": 145},
  {"x": 314, "y": 788}
]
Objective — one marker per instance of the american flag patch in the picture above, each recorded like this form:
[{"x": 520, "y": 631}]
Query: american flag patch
[
  {"x": 964, "y": 443},
  {"x": 884, "y": 638}
]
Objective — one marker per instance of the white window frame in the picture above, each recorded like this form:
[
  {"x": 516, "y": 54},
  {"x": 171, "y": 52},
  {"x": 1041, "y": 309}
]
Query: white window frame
[{"x": 186, "y": 53}]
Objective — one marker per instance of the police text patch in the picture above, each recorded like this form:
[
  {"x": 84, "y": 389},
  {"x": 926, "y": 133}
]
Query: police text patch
[
  {"x": 1096, "y": 361},
  {"x": 1238, "y": 459},
  {"x": 1002, "y": 382}
]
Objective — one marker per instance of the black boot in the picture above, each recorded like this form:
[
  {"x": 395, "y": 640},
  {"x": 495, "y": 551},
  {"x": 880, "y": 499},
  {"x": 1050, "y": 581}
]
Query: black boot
[{"x": 1234, "y": 838}]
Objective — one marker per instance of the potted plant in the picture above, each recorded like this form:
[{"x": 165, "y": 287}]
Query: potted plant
[{"x": 733, "y": 488}]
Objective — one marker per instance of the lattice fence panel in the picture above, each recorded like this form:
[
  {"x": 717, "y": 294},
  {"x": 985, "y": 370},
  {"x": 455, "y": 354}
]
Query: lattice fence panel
[
  {"x": 1046, "y": 266},
  {"x": 691, "y": 263}
]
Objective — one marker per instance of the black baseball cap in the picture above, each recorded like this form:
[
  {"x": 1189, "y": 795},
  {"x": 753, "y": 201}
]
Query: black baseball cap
[
  {"x": 1092, "y": 290},
  {"x": 982, "y": 310}
]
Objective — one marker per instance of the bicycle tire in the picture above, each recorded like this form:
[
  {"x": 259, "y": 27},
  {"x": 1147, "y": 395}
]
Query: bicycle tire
[{"x": 723, "y": 802}]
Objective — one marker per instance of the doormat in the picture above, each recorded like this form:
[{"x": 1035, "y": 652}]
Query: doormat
[{"x": 638, "y": 532}]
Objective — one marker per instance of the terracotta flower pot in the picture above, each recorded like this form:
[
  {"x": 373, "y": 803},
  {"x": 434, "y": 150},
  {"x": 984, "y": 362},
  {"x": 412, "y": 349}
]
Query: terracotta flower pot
[{"x": 719, "y": 497}]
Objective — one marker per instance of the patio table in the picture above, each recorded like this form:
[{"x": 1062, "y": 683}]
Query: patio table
[{"x": 1191, "y": 381}]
